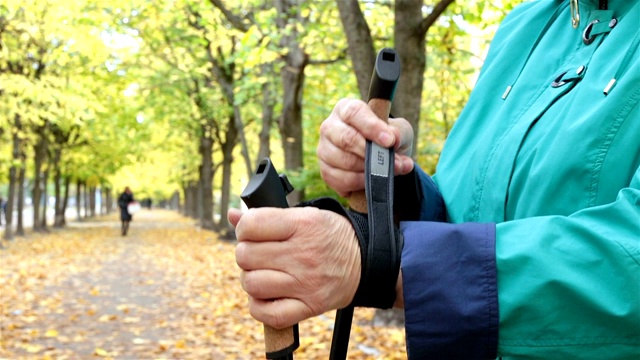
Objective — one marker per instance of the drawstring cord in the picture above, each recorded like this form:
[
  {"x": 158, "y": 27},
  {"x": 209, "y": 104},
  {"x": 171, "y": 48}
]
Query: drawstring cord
[
  {"x": 551, "y": 20},
  {"x": 624, "y": 64}
]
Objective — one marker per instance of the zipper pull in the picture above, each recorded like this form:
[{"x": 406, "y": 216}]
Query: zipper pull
[{"x": 575, "y": 13}]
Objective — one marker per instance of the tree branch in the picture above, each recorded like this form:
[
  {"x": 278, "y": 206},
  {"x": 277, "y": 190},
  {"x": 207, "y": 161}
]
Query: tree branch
[
  {"x": 340, "y": 57},
  {"x": 426, "y": 23},
  {"x": 235, "y": 20}
]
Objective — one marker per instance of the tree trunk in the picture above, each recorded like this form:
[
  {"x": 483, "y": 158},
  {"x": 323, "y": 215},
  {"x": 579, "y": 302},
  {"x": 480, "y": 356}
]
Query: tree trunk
[
  {"x": 8, "y": 215},
  {"x": 187, "y": 199},
  {"x": 85, "y": 195},
  {"x": 361, "y": 49},
  {"x": 20, "y": 185},
  {"x": 244, "y": 148},
  {"x": 39, "y": 153},
  {"x": 410, "y": 43},
  {"x": 291, "y": 118},
  {"x": 292, "y": 75},
  {"x": 227, "y": 160},
  {"x": 109, "y": 200},
  {"x": 62, "y": 221},
  {"x": 410, "y": 29},
  {"x": 45, "y": 197},
  {"x": 8, "y": 235},
  {"x": 58, "y": 213},
  {"x": 79, "y": 198},
  {"x": 193, "y": 193},
  {"x": 206, "y": 178},
  {"x": 102, "y": 201},
  {"x": 174, "y": 203},
  {"x": 190, "y": 195},
  {"x": 268, "y": 105},
  {"x": 92, "y": 200}
]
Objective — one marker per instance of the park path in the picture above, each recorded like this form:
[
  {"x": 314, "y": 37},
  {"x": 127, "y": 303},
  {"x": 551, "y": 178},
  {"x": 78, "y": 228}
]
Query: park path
[{"x": 167, "y": 290}]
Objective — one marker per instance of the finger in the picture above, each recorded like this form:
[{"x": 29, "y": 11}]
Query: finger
[
  {"x": 403, "y": 133},
  {"x": 360, "y": 116},
  {"x": 252, "y": 255},
  {"x": 269, "y": 284},
  {"x": 402, "y": 164},
  {"x": 279, "y": 313},
  {"x": 266, "y": 224},
  {"x": 234, "y": 215},
  {"x": 342, "y": 136},
  {"x": 335, "y": 157},
  {"x": 342, "y": 181}
]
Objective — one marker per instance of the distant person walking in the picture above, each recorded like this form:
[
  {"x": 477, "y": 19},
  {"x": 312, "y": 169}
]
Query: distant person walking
[
  {"x": 2, "y": 212},
  {"x": 123, "y": 203}
]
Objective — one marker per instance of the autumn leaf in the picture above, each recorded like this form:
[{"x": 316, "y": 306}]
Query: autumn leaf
[{"x": 101, "y": 352}]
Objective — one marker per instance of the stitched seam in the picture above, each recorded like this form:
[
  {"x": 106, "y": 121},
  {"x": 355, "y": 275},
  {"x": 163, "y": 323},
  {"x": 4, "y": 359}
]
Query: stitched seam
[
  {"x": 490, "y": 282},
  {"x": 569, "y": 342},
  {"x": 604, "y": 148}
]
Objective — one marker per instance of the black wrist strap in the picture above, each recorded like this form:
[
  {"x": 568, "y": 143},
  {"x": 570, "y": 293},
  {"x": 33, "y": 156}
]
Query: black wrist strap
[
  {"x": 380, "y": 241},
  {"x": 381, "y": 253},
  {"x": 380, "y": 244}
]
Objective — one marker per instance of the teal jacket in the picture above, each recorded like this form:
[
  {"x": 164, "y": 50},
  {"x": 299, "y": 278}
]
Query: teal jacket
[{"x": 537, "y": 252}]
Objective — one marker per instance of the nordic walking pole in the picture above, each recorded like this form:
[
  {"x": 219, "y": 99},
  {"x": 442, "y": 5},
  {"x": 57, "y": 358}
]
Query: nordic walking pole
[
  {"x": 381, "y": 90},
  {"x": 267, "y": 188}
]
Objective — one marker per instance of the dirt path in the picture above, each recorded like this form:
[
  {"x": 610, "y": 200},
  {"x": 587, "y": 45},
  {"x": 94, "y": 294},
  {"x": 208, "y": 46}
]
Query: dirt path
[
  {"x": 89, "y": 292},
  {"x": 165, "y": 291}
]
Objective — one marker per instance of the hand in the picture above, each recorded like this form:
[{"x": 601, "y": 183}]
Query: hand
[
  {"x": 296, "y": 263},
  {"x": 343, "y": 135}
]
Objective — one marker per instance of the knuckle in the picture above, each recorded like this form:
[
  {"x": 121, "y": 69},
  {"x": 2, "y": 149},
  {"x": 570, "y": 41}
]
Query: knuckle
[
  {"x": 276, "y": 319},
  {"x": 352, "y": 161},
  {"x": 349, "y": 109},
  {"x": 348, "y": 139},
  {"x": 248, "y": 285},
  {"x": 325, "y": 128},
  {"x": 241, "y": 255}
]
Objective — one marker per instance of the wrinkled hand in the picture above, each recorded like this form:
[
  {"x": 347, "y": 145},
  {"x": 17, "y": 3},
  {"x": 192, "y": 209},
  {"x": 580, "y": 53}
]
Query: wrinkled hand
[
  {"x": 296, "y": 263},
  {"x": 343, "y": 135}
]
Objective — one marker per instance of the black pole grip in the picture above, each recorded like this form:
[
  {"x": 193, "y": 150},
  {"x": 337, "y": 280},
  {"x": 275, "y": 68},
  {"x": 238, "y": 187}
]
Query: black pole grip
[
  {"x": 385, "y": 76},
  {"x": 267, "y": 189}
]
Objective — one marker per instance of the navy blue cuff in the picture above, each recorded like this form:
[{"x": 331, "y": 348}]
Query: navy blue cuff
[{"x": 450, "y": 290}]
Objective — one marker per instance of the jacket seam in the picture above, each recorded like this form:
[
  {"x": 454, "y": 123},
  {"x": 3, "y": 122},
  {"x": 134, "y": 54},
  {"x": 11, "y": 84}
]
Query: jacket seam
[{"x": 605, "y": 146}]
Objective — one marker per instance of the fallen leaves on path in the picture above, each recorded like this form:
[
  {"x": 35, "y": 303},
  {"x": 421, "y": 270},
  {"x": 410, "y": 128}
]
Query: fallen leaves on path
[{"x": 166, "y": 291}]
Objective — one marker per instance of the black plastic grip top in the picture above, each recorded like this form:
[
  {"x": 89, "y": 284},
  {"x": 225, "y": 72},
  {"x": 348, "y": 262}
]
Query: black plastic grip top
[
  {"x": 268, "y": 189},
  {"x": 385, "y": 75},
  {"x": 265, "y": 188}
]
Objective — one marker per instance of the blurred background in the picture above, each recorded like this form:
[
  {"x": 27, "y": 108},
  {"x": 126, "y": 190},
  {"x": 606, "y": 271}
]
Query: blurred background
[{"x": 180, "y": 99}]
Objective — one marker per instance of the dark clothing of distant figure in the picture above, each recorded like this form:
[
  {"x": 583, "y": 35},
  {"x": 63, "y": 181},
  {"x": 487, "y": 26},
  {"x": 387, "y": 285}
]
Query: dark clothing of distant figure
[{"x": 123, "y": 201}]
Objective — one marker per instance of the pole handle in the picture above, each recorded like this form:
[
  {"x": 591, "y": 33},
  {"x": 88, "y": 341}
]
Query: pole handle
[
  {"x": 267, "y": 188},
  {"x": 279, "y": 344},
  {"x": 382, "y": 88},
  {"x": 380, "y": 107}
]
